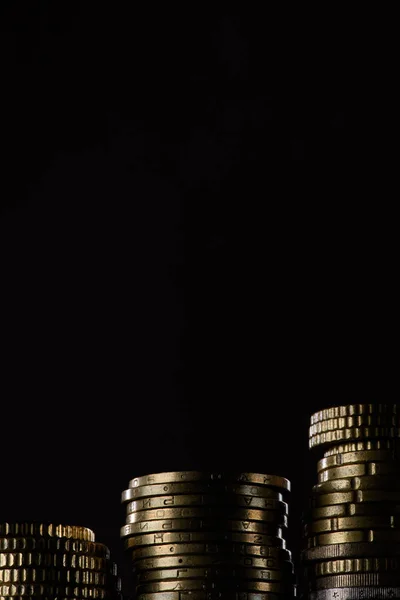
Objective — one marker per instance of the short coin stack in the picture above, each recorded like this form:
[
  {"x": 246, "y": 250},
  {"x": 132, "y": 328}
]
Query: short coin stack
[
  {"x": 42, "y": 560},
  {"x": 200, "y": 535},
  {"x": 352, "y": 528}
]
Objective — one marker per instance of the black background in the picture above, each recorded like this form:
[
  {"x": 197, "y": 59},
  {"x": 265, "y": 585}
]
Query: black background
[{"x": 199, "y": 246}]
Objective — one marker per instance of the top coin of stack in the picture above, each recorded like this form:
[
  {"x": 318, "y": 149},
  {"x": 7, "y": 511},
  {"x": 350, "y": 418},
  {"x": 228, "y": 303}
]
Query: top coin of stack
[
  {"x": 352, "y": 528},
  {"x": 55, "y": 561},
  {"x": 208, "y": 534}
]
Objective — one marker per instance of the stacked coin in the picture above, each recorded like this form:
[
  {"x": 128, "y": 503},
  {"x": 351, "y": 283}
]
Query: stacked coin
[
  {"x": 352, "y": 526},
  {"x": 204, "y": 535},
  {"x": 55, "y": 562}
]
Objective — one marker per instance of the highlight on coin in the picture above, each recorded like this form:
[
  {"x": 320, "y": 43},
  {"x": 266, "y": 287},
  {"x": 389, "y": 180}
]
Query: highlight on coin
[
  {"x": 351, "y": 532},
  {"x": 205, "y": 535},
  {"x": 49, "y": 560}
]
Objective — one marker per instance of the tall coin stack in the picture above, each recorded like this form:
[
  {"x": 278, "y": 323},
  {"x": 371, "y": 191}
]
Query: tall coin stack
[
  {"x": 199, "y": 535},
  {"x": 352, "y": 527},
  {"x": 54, "y": 562}
]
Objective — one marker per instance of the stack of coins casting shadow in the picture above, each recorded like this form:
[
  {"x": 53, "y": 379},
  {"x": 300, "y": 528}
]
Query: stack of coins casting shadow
[
  {"x": 352, "y": 527},
  {"x": 46, "y": 561},
  {"x": 198, "y": 536}
]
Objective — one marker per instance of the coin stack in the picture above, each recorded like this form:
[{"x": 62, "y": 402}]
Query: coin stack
[
  {"x": 201, "y": 535},
  {"x": 47, "y": 561},
  {"x": 352, "y": 526}
]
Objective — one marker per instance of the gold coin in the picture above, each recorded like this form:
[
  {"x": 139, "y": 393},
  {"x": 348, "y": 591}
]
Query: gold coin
[
  {"x": 354, "y": 510},
  {"x": 356, "y": 580},
  {"x": 273, "y": 555},
  {"x": 209, "y": 595},
  {"x": 350, "y": 410},
  {"x": 145, "y": 491},
  {"x": 201, "y": 524},
  {"x": 226, "y": 477},
  {"x": 353, "y": 433},
  {"x": 356, "y": 565},
  {"x": 31, "y": 575},
  {"x": 46, "y": 530},
  {"x": 187, "y": 537},
  {"x": 210, "y": 572},
  {"x": 15, "y": 544},
  {"x": 367, "y": 482},
  {"x": 354, "y": 421},
  {"x": 318, "y": 500},
  {"x": 220, "y": 585},
  {"x": 364, "y": 535},
  {"x": 273, "y": 516},
  {"x": 337, "y": 460},
  {"x": 196, "y": 560},
  {"x": 350, "y": 550},
  {"x": 40, "y": 559},
  {"x": 234, "y": 500},
  {"x": 349, "y": 523},
  {"x": 392, "y": 445},
  {"x": 50, "y": 590},
  {"x": 342, "y": 472}
]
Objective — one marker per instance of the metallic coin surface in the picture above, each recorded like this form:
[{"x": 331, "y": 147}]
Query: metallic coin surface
[
  {"x": 353, "y": 433},
  {"x": 357, "y": 565},
  {"x": 353, "y": 509},
  {"x": 318, "y": 500},
  {"x": 365, "y": 535},
  {"x": 356, "y": 580},
  {"x": 46, "y": 530},
  {"x": 66, "y": 560},
  {"x": 392, "y": 445},
  {"x": 16, "y": 544},
  {"x": 368, "y": 482},
  {"x": 212, "y": 584},
  {"x": 226, "y": 477},
  {"x": 195, "y": 560},
  {"x": 207, "y": 500},
  {"x": 186, "y": 537},
  {"x": 357, "y": 469},
  {"x": 215, "y": 572},
  {"x": 202, "y": 524},
  {"x": 348, "y": 523},
  {"x": 200, "y": 512},
  {"x": 70, "y": 576},
  {"x": 350, "y": 550},
  {"x": 40, "y": 590},
  {"x": 212, "y": 549},
  {"x": 350, "y": 410},
  {"x": 168, "y": 489},
  {"x": 356, "y": 593},
  {"x": 350, "y": 422},
  {"x": 348, "y": 458},
  {"x": 210, "y": 595}
]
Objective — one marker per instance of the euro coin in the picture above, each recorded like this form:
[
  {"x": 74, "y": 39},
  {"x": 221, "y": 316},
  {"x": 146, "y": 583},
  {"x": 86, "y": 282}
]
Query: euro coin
[
  {"x": 324, "y": 499},
  {"x": 273, "y": 554},
  {"x": 392, "y": 445},
  {"x": 350, "y": 422},
  {"x": 348, "y": 458},
  {"x": 363, "y": 535},
  {"x": 357, "y": 565},
  {"x": 213, "y": 572},
  {"x": 38, "y": 575},
  {"x": 223, "y": 500},
  {"x": 353, "y": 509},
  {"x": 368, "y": 482},
  {"x": 356, "y": 593},
  {"x": 212, "y": 584},
  {"x": 195, "y": 560},
  {"x": 16, "y": 544},
  {"x": 350, "y": 550},
  {"x": 167, "y": 489},
  {"x": 350, "y": 410},
  {"x": 210, "y": 595},
  {"x": 356, "y": 580},
  {"x": 226, "y": 477},
  {"x": 353, "y": 433},
  {"x": 41, "y": 590},
  {"x": 199, "y": 512},
  {"x": 40, "y": 559},
  {"x": 186, "y": 537},
  {"x": 46, "y": 530},
  {"x": 348, "y": 523},
  {"x": 202, "y": 524}
]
